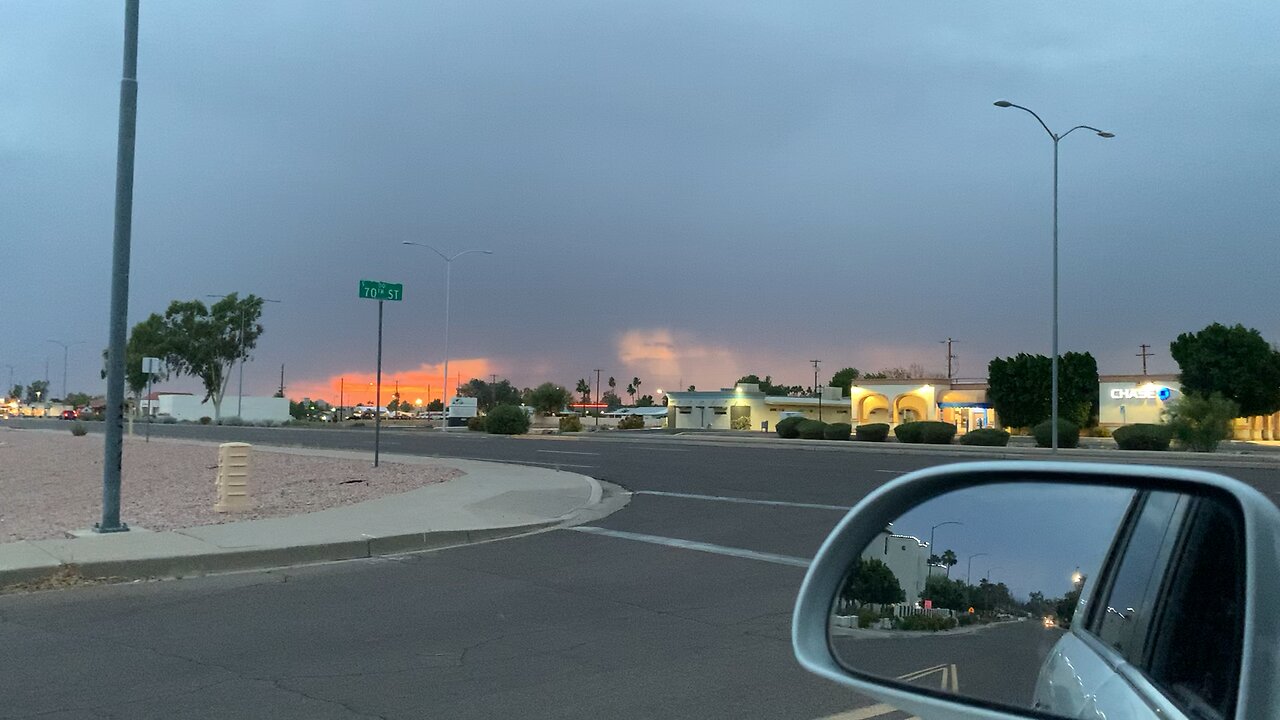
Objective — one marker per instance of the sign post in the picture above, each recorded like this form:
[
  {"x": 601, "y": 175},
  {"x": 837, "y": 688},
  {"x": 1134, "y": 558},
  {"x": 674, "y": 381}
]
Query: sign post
[
  {"x": 150, "y": 366},
  {"x": 380, "y": 291}
]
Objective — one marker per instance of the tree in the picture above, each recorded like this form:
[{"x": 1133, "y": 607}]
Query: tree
[
  {"x": 77, "y": 399},
  {"x": 1199, "y": 423},
  {"x": 549, "y": 398},
  {"x": 945, "y": 593},
  {"x": 635, "y": 383},
  {"x": 435, "y": 405},
  {"x": 1234, "y": 361},
  {"x": 393, "y": 406},
  {"x": 692, "y": 389},
  {"x": 871, "y": 581},
  {"x": 949, "y": 559},
  {"x": 16, "y": 391},
  {"x": 645, "y": 401},
  {"x": 204, "y": 342},
  {"x": 631, "y": 390},
  {"x": 768, "y": 388},
  {"x": 611, "y": 400},
  {"x": 148, "y": 338},
  {"x": 584, "y": 389},
  {"x": 613, "y": 384},
  {"x": 1020, "y": 388},
  {"x": 37, "y": 391},
  {"x": 843, "y": 379}
]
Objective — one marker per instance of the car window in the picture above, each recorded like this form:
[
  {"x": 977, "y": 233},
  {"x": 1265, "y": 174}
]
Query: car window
[
  {"x": 1195, "y": 647},
  {"x": 1120, "y": 617}
]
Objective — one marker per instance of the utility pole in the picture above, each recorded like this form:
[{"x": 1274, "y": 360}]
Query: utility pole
[
  {"x": 950, "y": 355},
  {"x": 815, "y": 386},
  {"x": 597, "y": 371},
  {"x": 1144, "y": 355},
  {"x": 282, "y": 380}
]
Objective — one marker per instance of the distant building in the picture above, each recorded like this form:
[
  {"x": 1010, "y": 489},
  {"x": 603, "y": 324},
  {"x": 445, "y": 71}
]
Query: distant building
[
  {"x": 746, "y": 403},
  {"x": 906, "y": 556}
]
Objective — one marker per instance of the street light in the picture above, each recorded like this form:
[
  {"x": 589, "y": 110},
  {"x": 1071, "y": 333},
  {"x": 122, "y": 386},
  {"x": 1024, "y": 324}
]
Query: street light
[
  {"x": 931, "y": 550},
  {"x": 448, "y": 272},
  {"x": 66, "y": 346},
  {"x": 1053, "y": 413},
  {"x": 240, "y": 389},
  {"x": 968, "y": 576}
]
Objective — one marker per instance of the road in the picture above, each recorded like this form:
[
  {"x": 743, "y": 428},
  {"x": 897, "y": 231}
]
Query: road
[{"x": 676, "y": 606}]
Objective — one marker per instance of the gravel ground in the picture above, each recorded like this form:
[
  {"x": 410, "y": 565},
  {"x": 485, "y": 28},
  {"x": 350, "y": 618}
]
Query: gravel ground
[{"x": 51, "y": 482}]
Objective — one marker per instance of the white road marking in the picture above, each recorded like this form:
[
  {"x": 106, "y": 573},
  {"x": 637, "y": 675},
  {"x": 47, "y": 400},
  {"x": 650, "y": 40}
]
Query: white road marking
[
  {"x": 863, "y": 713},
  {"x": 698, "y": 546},
  {"x": 744, "y": 501},
  {"x": 567, "y": 452},
  {"x": 517, "y": 462},
  {"x": 891, "y": 472}
]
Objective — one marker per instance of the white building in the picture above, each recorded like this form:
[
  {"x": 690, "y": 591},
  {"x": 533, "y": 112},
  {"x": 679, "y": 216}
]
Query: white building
[
  {"x": 251, "y": 409},
  {"x": 906, "y": 556},
  {"x": 749, "y": 408}
]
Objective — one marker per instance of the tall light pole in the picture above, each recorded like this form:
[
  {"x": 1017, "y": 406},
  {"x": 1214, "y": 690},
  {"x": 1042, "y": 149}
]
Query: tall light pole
[
  {"x": 240, "y": 389},
  {"x": 66, "y": 346},
  {"x": 968, "y": 576},
  {"x": 931, "y": 549},
  {"x": 1053, "y": 412},
  {"x": 9, "y": 387},
  {"x": 448, "y": 272}
]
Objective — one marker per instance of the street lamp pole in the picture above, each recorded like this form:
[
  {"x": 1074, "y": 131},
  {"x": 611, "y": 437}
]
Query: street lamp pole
[
  {"x": 448, "y": 279},
  {"x": 65, "y": 351},
  {"x": 968, "y": 576},
  {"x": 1053, "y": 412},
  {"x": 931, "y": 549}
]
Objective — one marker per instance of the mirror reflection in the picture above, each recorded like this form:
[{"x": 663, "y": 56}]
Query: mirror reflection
[{"x": 978, "y": 593}]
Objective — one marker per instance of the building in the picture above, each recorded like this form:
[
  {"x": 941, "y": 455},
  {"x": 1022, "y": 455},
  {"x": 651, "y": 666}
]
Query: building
[
  {"x": 746, "y": 407},
  {"x": 252, "y": 409},
  {"x": 961, "y": 402},
  {"x": 907, "y": 556}
]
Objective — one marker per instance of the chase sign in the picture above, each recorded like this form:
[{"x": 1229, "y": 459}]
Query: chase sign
[{"x": 1146, "y": 392}]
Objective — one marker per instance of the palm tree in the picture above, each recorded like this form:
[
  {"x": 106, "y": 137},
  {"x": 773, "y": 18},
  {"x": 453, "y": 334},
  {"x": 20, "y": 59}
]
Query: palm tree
[
  {"x": 949, "y": 559},
  {"x": 613, "y": 385},
  {"x": 631, "y": 390},
  {"x": 635, "y": 383},
  {"x": 584, "y": 389}
]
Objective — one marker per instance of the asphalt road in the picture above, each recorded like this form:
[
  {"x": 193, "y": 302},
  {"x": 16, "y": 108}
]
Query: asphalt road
[{"x": 627, "y": 621}]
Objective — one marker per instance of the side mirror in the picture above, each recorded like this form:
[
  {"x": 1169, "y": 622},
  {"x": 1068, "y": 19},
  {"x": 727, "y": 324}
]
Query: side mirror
[{"x": 1027, "y": 589}]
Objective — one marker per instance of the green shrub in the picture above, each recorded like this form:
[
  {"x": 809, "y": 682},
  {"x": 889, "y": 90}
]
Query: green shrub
[
  {"x": 1068, "y": 434},
  {"x": 867, "y": 616},
  {"x": 988, "y": 437},
  {"x": 169, "y": 420},
  {"x": 741, "y": 423},
  {"x": 570, "y": 423},
  {"x": 1097, "y": 431},
  {"x": 206, "y": 420},
  {"x": 1199, "y": 423},
  {"x": 872, "y": 432},
  {"x": 932, "y": 623},
  {"x": 476, "y": 423},
  {"x": 811, "y": 429},
  {"x": 78, "y": 429},
  {"x": 930, "y": 432},
  {"x": 966, "y": 620},
  {"x": 838, "y": 431},
  {"x": 789, "y": 427},
  {"x": 631, "y": 422},
  {"x": 1144, "y": 436},
  {"x": 507, "y": 420}
]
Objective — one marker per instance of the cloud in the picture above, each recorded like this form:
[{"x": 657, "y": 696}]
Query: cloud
[{"x": 421, "y": 383}]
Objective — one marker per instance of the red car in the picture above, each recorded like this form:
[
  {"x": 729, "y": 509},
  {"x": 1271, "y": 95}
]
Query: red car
[{"x": 69, "y": 415}]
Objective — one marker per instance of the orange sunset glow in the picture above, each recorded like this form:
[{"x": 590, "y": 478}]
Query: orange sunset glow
[{"x": 421, "y": 383}]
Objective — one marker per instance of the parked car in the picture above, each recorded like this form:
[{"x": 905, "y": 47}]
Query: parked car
[{"x": 68, "y": 415}]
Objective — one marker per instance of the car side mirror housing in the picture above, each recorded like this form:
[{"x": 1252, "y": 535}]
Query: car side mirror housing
[{"x": 1028, "y": 589}]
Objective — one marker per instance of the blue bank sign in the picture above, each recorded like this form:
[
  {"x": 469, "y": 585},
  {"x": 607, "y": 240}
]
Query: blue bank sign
[{"x": 1146, "y": 392}]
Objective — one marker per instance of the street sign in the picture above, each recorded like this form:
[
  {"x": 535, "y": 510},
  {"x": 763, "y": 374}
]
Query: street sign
[
  {"x": 375, "y": 290},
  {"x": 151, "y": 365}
]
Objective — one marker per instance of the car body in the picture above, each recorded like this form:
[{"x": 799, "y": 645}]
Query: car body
[{"x": 68, "y": 415}]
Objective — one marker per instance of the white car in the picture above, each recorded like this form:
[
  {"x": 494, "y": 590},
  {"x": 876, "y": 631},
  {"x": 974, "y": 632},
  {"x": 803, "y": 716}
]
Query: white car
[{"x": 1177, "y": 618}]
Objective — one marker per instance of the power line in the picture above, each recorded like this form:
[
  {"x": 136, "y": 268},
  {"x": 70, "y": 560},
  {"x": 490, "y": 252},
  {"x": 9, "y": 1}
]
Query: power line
[
  {"x": 1144, "y": 355},
  {"x": 950, "y": 356}
]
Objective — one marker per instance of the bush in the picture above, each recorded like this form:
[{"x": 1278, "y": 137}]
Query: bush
[
  {"x": 872, "y": 432},
  {"x": 838, "y": 431},
  {"x": 789, "y": 427},
  {"x": 206, "y": 420},
  {"x": 932, "y": 623},
  {"x": 92, "y": 417},
  {"x": 169, "y": 420},
  {"x": 741, "y": 423},
  {"x": 866, "y": 616},
  {"x": 78, "y": 429},
  {"x": 1068, "y": 434},
  {"x": 930, "y": 432},
  {"x": 811, "y": 429},
  {"x": 987, "y": 437},
  {"x": 476, "y": 423},
  {"x": 507, "y": 420},
  {"x": 1199, "y": 423},
  {"x": 570, "y": 423},
  {"x": 966, "y": 620},
  {"x": 1144, "y": 436},
  {"x": 631, "y": 422}
]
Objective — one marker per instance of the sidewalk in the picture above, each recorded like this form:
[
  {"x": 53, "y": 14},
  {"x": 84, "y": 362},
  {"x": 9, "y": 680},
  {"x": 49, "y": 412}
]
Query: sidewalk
[{"x": 493, "y": 500}]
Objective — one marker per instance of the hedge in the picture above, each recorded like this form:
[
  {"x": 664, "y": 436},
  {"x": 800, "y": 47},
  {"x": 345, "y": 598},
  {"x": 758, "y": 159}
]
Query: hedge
[
  {"x": 476, "y": 422},
  {"x": 1143, "y": 436},
  {"x": 872, "y": 432},
  {"x": 570, "y": 423},
  {"x": 789, "y": 427},
  {"x": 991, "y": 437},
  {"x": 631, "y": 422},
  {"x": 507, "y": 420},
  {"x": 930, "y": 432},
  {"x": 838, "y": 431},
  {"x": 1068, "y": 434},
  {"x": 811, "y": 429}
]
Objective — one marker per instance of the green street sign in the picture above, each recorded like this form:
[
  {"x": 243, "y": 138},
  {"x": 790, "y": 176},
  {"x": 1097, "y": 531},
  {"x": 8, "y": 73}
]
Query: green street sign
[{"x": 374, "y": 290}]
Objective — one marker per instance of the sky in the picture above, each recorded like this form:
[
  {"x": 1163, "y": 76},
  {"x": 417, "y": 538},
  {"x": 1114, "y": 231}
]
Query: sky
[{"x": 680, "y": 192}]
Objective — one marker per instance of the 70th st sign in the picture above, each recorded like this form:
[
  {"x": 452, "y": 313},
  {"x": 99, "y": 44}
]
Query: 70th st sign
[{"x": 375, "y": 290}]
